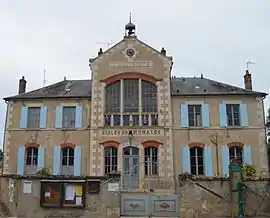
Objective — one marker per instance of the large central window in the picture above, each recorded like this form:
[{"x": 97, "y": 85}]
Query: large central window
[{"x": 131, "y": 102}]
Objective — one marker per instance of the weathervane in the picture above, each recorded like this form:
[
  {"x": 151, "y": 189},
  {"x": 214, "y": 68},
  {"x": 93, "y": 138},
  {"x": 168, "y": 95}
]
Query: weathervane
[{"x": 248, "y": 63}]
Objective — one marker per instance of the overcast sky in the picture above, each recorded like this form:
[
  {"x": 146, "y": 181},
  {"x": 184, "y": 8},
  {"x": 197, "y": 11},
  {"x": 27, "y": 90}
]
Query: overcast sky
[{"x": 213, "y": 37}]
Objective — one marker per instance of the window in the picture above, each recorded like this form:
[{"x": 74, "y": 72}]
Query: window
[
  {"x": 69, "y": 117},
  {"x": 131, "y": 95},
  {"x": 149, "y": 97},
  {"x": 130, "y": 114},
  {"x": 31, "y": 160},
  {"x": 31, "y": 156},
  {"x": 67, "y": 161},
  {"x": 110, "y": 159},
  {"x": 195, "y": 115},
  {"x": 196, "y": 161},
  {"x": 112, "y": 98},
  {"x": 62, "y": 194},
  {"x": 233, "y": 114},
  {"x": 236, "y": 152},
  {"x": 151, "y": 161},
  {"x": 33, "y": 118}
]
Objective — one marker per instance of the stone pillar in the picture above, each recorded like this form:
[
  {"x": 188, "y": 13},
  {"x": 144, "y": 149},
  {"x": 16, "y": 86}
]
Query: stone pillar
[{"x": 235, "y": 177}]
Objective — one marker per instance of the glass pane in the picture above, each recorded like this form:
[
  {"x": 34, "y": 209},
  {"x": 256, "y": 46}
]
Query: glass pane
[
  {"x": 33, "y": 118},
  {"x": 54, "y": 196},
  {"x": 69, "y": 117},
  {"x": 134, "y": 151},
  {"x": 149, "y": 97},
  {"x": 112, "y": 97},
  {"x": 131, "y": 95},
  {"x": 116, "y": 120}
]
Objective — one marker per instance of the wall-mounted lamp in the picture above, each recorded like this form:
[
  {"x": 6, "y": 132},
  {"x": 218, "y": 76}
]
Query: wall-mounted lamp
[{"x": 130, "y": 136}]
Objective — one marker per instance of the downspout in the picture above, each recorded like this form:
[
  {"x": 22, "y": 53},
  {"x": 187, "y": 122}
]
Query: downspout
[
  {"x": 4, "y": 139},
  {"x": 265, "y": 131}
]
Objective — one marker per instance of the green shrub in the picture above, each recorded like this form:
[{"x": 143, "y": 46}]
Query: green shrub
[
  {"x": 44, "y": 172},
  {"x": 249, "y": 171}
]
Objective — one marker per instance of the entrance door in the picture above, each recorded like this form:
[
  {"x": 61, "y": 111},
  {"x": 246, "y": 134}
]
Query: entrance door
[{"x": 131, "y": 167}]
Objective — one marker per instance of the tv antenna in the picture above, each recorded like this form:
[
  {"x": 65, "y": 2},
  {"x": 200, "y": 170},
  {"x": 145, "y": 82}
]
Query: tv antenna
[
  {"x": 105, "y": 43},
  {"x": 248, "y": 63},
  {"x": 44, "y": 77}
]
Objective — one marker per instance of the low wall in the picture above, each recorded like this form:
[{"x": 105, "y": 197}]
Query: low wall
[
  {"x": 99, "y": 202},
  {"x": 202, "y": 197},
  {"x": 198, "y": 197}
]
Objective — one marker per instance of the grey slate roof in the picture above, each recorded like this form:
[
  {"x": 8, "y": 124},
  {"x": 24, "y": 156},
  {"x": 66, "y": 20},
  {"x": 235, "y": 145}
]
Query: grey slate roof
[{"x": 185, "y": 86}]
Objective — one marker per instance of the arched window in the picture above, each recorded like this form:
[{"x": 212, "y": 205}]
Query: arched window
[
  {"x": 132, "y": 101},
  {"x": 236, "y": 152},
  {"x": 67, "y": 160},
  {"x": 31, "y": 160},
  {"x": 110, "y": 159},
  {"x": 151, "y": 161},
  {"x": 196, "y": 161}
]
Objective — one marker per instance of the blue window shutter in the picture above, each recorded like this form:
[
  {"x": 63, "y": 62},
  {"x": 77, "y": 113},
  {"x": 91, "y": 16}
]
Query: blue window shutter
[
  {"x": 225, "y": 160},
  {"x": 20, "y": 160},
  {"x": 244, "y": 115},
  {"x": 77, "y": 161},
  {"x": 41, "y": 156},
  {"x": 205, "y": 116},
  {"x": 186, "y": 159},
  {"x": 58, "y": 117},
  {"x": 24, "y": 116},
  {"x": 223, "y": 116},
  {"x": 56, "y": 160},
  {"x": 247, "y": 155},
  {"x": 208, "y": 161},
  {"x": 43, "y": 117},
  {"x": 79, "y": 115},
  {"x": 184, "y": 116}
]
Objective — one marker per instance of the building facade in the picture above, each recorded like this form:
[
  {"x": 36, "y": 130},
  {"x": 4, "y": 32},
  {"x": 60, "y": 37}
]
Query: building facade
[{"x": 135, "y": 118}]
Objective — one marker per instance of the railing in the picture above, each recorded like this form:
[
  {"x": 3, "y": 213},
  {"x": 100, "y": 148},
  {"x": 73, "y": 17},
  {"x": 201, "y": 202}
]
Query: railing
[{"x": 130, "y": 170}]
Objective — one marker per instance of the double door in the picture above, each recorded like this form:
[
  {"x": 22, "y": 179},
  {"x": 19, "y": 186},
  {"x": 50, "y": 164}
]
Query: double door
[{"x": 131, "y": 168}]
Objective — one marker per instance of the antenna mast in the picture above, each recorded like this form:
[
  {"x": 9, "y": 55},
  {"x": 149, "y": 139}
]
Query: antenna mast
[
  {"x": 44, "y": 77},
  {"x": 105, "y": 43},
  {"x": 248, "y": 63}
]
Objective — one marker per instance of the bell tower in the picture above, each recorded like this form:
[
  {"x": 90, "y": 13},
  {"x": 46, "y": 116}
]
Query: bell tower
[{"x": 130, "y": 28}]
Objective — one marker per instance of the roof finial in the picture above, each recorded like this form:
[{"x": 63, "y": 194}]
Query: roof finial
[
  {"x": 130, "y": 27},
  {"x": 130, "y": 17}
]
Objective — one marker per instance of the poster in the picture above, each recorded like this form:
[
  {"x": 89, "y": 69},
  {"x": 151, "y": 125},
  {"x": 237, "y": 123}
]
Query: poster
[
  {"x": 79, "y": 190},
  {"x": 78, "y": 200},
  {"x": 113, "y": 187},
  {"x": 27, "y": 187},
  {"x": 11, "y": 190},
  {"x": 70, "y": 192},
  {"x": 47, "y": 194}
]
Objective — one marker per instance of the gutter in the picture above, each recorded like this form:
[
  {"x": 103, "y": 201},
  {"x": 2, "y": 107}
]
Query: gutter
[
  {"x": 4, "y": 139},
  {"x": 265, "y": 132}
]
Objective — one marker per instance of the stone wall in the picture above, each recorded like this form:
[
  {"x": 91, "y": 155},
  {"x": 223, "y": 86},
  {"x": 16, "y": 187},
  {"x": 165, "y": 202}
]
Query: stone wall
[
  {"x": 200, "y": 197},
  {"x": 102, "y": 204}
]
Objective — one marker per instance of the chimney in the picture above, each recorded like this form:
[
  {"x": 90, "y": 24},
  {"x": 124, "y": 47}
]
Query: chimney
[
  {"x": 22, "y": 85},
  {"x": 248, "y": 80},
  {"x": 163, "y": 51},
  {"x": 100, "y": 52}
]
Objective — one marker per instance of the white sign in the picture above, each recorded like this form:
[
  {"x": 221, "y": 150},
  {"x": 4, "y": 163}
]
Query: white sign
[
  {"x": 27, "y": 187},
  {"x": 113, "y": 187},
  {"x": 131, "y": 64},
  {"x": 135, "y": 132}
]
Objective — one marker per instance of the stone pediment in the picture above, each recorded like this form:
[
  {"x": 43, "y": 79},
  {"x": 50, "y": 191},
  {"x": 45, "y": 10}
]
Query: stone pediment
[{"x": 130, "y": 55}]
